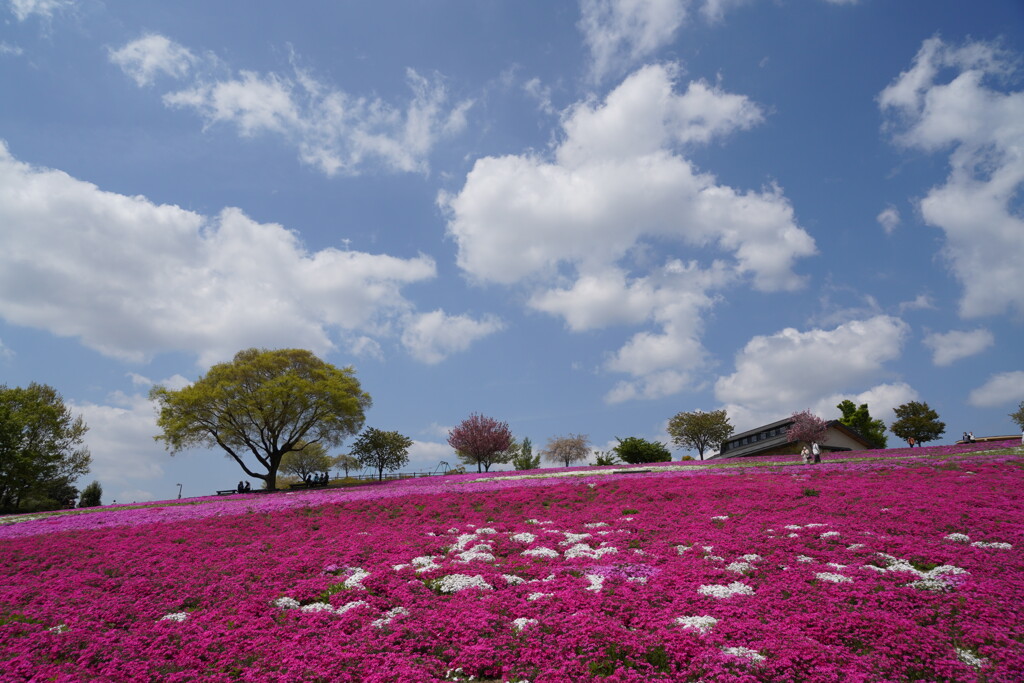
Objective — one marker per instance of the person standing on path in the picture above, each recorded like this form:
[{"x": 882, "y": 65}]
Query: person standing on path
[{"x": 816, "y": 452}]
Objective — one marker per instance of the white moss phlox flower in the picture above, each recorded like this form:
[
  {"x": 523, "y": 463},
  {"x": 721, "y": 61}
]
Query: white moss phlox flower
[
  {"x": 425, "y": 563},
  {"x": 573, "y": 539},
  {"x": 453, "y": 583},
  {"x": 833, "y": 578},
  {"x": 682, "y": 548},
  {"x": 175, "y": 616},
  {"x": 804, "y": 558},
  {"x": 697, "y": 623},
  {"x": 828, "y": 534},
  {"x": 584, "y": 550},
  {"x": 734, "y": 588},
  {"x": 317, "y": 607},
  {"x": 997, "y": 545},
  {"x": 389, "y": 616},
  {"x": 595, "y": 525},
  {"x": 486, "y": 530},
  {"x": 537, "y": 596},
  {"x": 752, "y": 557},
  {"x": 512, "y": 579},
  {"x": 541, "y": 551},
  {"x": 286, "y": 603},
  {"x": 744, "y": 652},
  {"x": 355, "y": 582},
  {"x": 596, "y": 582},
  {"x": 970, "y": 659},
  {"x": 958, "y": 538},
  {"x": 720, "y": 518},
  {"x": 739, "y": 567},
  {"x": 522, "y": 622},
  {"x": 524, "y": 537}
]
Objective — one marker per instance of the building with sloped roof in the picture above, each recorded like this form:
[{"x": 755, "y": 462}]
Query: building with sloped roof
[{"x": 771, "y": 439}]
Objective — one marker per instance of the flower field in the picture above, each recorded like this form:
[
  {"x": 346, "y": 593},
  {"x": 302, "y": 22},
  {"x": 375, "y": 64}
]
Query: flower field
[{"x": 907, "y": 567}]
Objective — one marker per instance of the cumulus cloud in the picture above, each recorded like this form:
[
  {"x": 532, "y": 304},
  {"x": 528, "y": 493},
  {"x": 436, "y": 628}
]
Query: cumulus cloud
[
  {"x": 1000, "y": 389},
  {"x": 333, "y": 130},
  {"x": 792, "y": 370},
  {"x": 949, "y": 101},
  {"x": 432, "y": 337},
  {"x": 581, "y": 221},
  {"x": 120, "y": 439},
  {"x": 150, "y": 55},
  {"x": 882, "y": 401},
  {"x": 131, "y": 278},
  {"x": 426, "y": 456},
  {"x": 5, "y": 352},
  {"x": 952, "y": 346},
  {"x": 619, "y": 33},
  {"x": 889, "y": 218}
]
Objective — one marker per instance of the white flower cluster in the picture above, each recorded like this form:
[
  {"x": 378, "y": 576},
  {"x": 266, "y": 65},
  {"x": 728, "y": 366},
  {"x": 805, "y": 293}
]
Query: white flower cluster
[
  {"x": 537, "y": 596},
  {"x": 424, "y": 563},
  {"x": 970, "y": 659},
  {"x": 175, "y": 616},
  {"x": 958, "y": 538},
  {"x": 453, "y": 583},
  {"x": 833, "y": 578},
  {"x": 720, "y": 518},
  {"x": 734, "y": 588},
  {"x": 584, "y": 550},
  {"x": 697, "y": 623},
  {"x": 595, "y": 525},
  {"x": 522, "y": 622},
  {"x": 596, "y": 582},
  {"x": 828, "y": 534},
  {"x": 932, "y": 580},
  {"x": 512, "y": 579},
  {"x": 739, "y": 567},
  {"x": 355, "y": 581},
  {"x": 389, "y": 616},
  {"x": 682, "y": 548},
  {"x": 573, "y": 539},
  {"x": 541, "y": 552},
  {"x": 804, "y": 558},
  {"x": 524, "y": 537},
  {"x": 999, "y": 546},
  {"x": 745, "y": 653},
  {"x": 325, "y": 607}
]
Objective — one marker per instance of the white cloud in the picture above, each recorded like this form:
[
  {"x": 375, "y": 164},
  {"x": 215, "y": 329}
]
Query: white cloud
[
  {"x": 889, "y": 218},
  {"x": 1006, "y": 387},
  {"x": 8, "y": 49},
  {"x": 792, "y": 370},
  {"x": 131, "y": 278},
  {"x": 153, "y": 54},
  {"x": 432, "y": 337},
  {"x": 23, "y": 9},
  {"x": 333, "y": 131},
  {"x": 425, "y": 456},
  {"x": 5, "y": 352},
  {"x": 120, "y": 439},
  {"x": 946, "y": 101},
  {"x": 952, "y": 346},
  {"x": 583, "y": 223},
  {"x": 920, "y": 302},
  {"x": 619, "y": 33}
]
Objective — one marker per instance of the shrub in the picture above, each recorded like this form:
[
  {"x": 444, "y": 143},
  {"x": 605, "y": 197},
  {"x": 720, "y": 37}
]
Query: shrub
[{"x": 635, "y": 451}]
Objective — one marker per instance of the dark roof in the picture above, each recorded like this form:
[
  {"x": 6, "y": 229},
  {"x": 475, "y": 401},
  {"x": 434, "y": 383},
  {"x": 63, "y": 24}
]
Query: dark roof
[{"x": 761, "y": 439}]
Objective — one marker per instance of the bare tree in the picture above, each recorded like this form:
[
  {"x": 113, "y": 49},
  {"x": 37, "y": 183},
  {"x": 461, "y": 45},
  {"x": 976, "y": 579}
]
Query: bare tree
[{"x": 567, "y": 449}]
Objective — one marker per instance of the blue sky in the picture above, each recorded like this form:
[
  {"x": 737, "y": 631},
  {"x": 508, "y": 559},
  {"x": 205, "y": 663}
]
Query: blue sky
[{"x": 574, "y": 217}]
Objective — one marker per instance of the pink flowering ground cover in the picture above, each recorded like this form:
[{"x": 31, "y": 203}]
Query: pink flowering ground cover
[{"x": 902, "y": 569}]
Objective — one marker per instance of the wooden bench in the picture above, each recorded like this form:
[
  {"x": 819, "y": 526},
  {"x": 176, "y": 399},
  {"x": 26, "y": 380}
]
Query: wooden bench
[{"x": 227, "y": 492}]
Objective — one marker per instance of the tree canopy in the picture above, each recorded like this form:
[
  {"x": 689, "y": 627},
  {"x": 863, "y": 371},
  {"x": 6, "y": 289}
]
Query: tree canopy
[
  {"x": 346, "y": 462},
  {"x": 700, "y": 431},
  {"x": 916, "y": 420},
  {"x": 261, "y": 405},
  {"x": 807, "y": 428},
  {"x": 1018, "y": 415},
  {"x": 482, "y": 441},
  {"x": 381, "y": 450},
  {"x": 92, "y": 496},
  {"x": 859, "y": 419},
  {"x": 41, "y": 449},
  {"x": 635, "y": 450},
  {"x": 524, "y": 458},
  {"x": 567, "y": 449},
  {"x": 306, "y": 460}
]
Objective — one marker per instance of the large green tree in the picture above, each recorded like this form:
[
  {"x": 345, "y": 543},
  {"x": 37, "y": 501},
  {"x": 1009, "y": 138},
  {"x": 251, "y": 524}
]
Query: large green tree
[
  {"x": 42, "y": 449},
  {"x": 916, "y": 420},
  {"x": 700, "y": 431},
  {"x": 382, "y": 450},
  {"x": 261, "y": 405},
  {"x": 859, "y": 419},
  {"x": 635, "y": 450}
]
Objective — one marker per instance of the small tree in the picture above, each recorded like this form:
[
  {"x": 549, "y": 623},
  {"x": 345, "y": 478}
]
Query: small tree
[
  {"x": 917, "y": 421},
  {"x": 807, "y": 428},
  {"x": 91, "y": 496},
  {"x": 345, "y": 463},
  {"x": 605, "y": 458},
  {"x": 859, "y": 419},
  {"x": 1018, "y": 416},
  {"x": 481, "y": 441},
  {"x": 567, "y": 449},
  {"x": 381, "y": 450},
  {"x": 524, "y": 459},
  {"x": 700, "y": 431},
  {"x": 635, "y": 450},
  {"x": 307, "y": 459}
]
